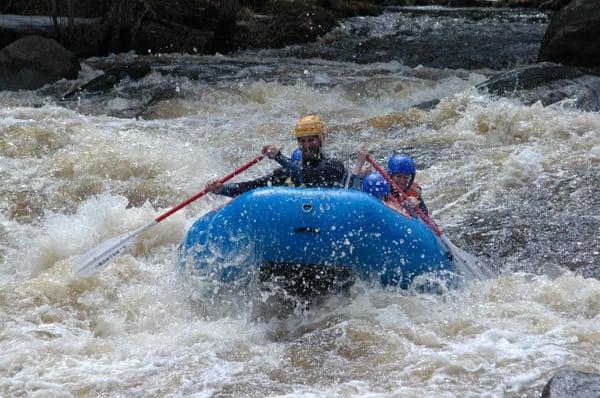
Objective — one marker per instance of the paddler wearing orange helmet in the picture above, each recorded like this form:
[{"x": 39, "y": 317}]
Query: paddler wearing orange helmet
[{"x": 315, "y": 170}]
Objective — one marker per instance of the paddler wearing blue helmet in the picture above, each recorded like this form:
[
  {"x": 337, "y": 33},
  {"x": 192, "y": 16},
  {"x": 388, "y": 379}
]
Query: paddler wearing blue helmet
[
  {"x": 375, "y": 184},
  {"x": 402, "y": 171}
]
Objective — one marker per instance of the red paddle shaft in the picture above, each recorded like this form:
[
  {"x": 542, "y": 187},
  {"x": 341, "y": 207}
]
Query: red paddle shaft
[{"x": 205, "y": 190}]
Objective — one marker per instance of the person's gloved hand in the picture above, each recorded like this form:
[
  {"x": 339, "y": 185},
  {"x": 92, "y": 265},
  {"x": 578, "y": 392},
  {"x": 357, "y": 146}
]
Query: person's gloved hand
[
  {"x": 270, "y": 151},
  {"x": 361, "y": 153},
  {"x": 412, "y": 202},
  {"x": 214, "y": 186},
  {"x": 365, "y": 170},
  {"x": 361, "y": 157}
]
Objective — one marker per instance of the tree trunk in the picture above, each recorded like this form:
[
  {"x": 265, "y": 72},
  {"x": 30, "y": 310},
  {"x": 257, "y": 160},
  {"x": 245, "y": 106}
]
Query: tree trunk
[
  {"x": 223, "y": 37},
  {"x": 123, "y": 22},
  {"x": 54, "y": 14},
  {"x": 71, "y": 17},
  {"x": 334, "y": 4},
  {"x": 7, "y": 7}
]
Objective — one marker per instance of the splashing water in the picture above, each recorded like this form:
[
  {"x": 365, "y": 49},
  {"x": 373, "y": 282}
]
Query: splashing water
[{"x": 515, "y": 185}]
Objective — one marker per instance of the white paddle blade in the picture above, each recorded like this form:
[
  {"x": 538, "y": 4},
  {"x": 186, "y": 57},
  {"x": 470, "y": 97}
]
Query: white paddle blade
[
  {"x": 100, "y": 256},
  {"x": 467, "y": 264}
]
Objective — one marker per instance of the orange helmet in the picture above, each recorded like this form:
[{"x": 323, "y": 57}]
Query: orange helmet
[{"x": 309, "y": 125}]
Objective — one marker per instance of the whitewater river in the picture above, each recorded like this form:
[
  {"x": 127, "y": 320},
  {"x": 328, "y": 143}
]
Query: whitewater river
[{"x": 516, "y": 185}]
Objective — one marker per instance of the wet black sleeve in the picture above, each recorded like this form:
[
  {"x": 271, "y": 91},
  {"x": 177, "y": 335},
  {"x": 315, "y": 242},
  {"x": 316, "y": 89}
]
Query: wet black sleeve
[
  {"x": 328, "y": 173},
  {"x": 292, "y": 168},
  {"x": 277, "y": 177}
]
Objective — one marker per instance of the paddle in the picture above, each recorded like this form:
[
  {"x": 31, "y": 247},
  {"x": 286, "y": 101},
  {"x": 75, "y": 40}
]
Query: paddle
[
  {"x": 100, "y": 256},
  {"x": 466, "y": 262}
]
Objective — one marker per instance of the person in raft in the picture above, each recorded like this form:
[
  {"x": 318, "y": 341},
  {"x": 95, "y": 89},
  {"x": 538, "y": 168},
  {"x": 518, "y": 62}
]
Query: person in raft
[
  {"x": 316, "y": 169},
  {"x": 401, "y": 170},
  {"x": 374, "y": 184}
]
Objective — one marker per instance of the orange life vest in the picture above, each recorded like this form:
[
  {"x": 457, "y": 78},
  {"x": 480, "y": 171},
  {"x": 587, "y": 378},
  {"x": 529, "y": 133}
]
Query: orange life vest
[
  {"x": 391, "y": 202},
  {"x": 413, "y": 191}
]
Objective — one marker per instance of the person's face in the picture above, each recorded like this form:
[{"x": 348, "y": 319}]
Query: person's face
[
  {"x": 402, "y": 180},
  {"x": 310, "y": 146}
]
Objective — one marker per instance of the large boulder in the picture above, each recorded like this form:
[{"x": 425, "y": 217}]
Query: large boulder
[
  {"x": 573, "y": 35},
  {"x": 573, "y": 384},
  {"x": 33, "y": 61}
]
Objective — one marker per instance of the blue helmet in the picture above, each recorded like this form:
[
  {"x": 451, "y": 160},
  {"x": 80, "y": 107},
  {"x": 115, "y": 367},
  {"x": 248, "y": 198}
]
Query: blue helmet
[
  {"x": 401, "y": 164},
  {"x": 297, "y": 155},
  {"x": 374, "y": 184}
]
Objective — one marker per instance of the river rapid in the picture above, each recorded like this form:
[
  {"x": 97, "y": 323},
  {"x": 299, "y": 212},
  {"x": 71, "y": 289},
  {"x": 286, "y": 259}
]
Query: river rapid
[{"x": 516, "y": 185}]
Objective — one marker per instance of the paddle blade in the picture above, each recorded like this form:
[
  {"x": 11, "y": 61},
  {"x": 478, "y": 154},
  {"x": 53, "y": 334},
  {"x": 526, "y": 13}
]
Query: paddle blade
[
  {"x": 466, "y": 264},
  {"x": 100, "y": 256}
]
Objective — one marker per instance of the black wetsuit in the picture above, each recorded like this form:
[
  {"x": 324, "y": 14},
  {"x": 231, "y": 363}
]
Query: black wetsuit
[{"x": 320, "y": 172}]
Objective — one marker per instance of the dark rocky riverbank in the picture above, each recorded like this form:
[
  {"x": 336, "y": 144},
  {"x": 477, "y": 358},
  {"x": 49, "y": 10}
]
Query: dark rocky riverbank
[
  {"x": 439, "y": 38},
  {"x": 96, "y": 28}
]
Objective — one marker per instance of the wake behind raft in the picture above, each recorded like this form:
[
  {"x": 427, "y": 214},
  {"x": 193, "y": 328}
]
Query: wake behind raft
[{"x": 312, "y": 240}]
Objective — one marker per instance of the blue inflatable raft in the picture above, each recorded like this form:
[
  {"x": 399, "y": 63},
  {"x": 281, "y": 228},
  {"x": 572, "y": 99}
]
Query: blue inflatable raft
[{"x": 320, "y": 234}]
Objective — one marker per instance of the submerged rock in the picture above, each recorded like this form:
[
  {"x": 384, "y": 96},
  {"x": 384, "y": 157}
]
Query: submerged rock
[
  {"x": 573, "y": 384},
  {"x": 434, "y": 37},
  {"x": 112, "y": 76},
  {"x": 548, "y": 83}
]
